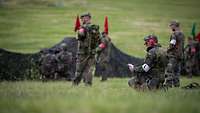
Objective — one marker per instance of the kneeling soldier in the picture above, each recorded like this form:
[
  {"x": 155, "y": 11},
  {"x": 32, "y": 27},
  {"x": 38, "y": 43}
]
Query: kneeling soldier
[{"x": 149, "y": 75}]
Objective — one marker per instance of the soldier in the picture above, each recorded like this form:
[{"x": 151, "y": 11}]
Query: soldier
[
  {"x": 198, "y": 52},
  {"x": 89, "y": 44},
  {"x": 190, "y": 54},
  {"x": 48, "y": 66},
  {"x": 64, "y": 60},
  {"x": 175, "y": 55},
  {"x": 103, "y": 57},
  {"x": 149, "y": 75}
]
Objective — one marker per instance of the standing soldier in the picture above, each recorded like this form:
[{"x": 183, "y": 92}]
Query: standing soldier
[
  {"x": 103, "y": 57},
  {"x": 89, "y": 44},
  {"x": 198, "y": 52},
  {"x": 149, "y": 75},
  {"x": 175, "y": 55},
  {"x": 191, "y": 57}
]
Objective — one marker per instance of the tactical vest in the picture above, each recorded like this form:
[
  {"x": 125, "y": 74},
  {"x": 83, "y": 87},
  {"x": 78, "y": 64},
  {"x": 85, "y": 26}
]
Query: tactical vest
[
  {"x": 178, "y": 51},
  {"x": 90, "y": 41},
  {"x": 160, "y": 62},
  {"x": 161, "y": 57},
  {"x": 191, "y": 50}
]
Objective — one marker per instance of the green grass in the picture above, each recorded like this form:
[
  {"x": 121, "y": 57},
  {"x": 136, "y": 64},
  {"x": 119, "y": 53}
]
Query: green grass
[
  {"x": 29, "y": 25},
  {"x": 107, "y": 97}
]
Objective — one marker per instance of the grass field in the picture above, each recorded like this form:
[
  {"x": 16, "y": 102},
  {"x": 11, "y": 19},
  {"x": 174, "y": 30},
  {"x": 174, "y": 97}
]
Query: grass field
[
  {"x": 29, "y": 25},
  {"x": 113, "y": 96}
]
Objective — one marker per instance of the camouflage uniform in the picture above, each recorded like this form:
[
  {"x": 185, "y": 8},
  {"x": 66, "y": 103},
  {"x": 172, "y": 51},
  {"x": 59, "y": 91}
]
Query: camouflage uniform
[
  {"x": 150, "y": 75},
  {"x": 175, "y": 54},
  {"x": 190, "y": 54},
  {"x": 88, "y": 42},
  {"x": 103, "y": 56},
  {"x": 198, "y": 52},
  {"x": 64, "y": 60},
  {"x": 48, "y": 66}
]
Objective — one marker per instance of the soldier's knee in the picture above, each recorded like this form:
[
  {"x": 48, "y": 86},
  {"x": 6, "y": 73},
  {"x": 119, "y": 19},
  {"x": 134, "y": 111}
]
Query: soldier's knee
[
  {"x": 87, "y": 80},
  {"x": 176, "y": 82},
  {"x": 153, "y": 84},
  {"x": 132, "y": 82}
]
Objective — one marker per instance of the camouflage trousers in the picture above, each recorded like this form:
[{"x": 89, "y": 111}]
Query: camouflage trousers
[
  {"x": 104, "y": 77},
  {"x": 104, "y": 73},
  {"x": 172, "y": 73},
  {"x": 143, "y": 82},
  {"x": 191, "y": 66},
  {"x": 85, "y": 66}
]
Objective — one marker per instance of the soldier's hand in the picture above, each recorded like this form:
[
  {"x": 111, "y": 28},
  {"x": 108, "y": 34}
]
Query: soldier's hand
[
  {"x": 81, "y": 33},
  {"x": 131, "y": 67},
  {"x": 81, "y": 30}
]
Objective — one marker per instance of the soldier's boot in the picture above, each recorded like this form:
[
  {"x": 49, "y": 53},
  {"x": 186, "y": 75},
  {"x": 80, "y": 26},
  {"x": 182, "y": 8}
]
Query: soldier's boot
[
  {"x": 103, "y": 78},
  {"x": 162, "y": 85},
  {"x": 44, "y": 79},
  {"x": 176, "y": 82},
  {"x": 168, "y": 80},
  {"x": 88, "y": 79},
  {"x": 190, "y": 75},
  {"x": 77, "y": 79},
  {"x": 88, "y": 83},
  {"x": 89, "y": 72}
]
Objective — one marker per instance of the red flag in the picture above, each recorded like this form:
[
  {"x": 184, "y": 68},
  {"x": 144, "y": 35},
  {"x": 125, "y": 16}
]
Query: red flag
[
  {"x": 77, "y": 24},
  {"x": 198, "y": 37},
  {"x": 106, "y": 25}
]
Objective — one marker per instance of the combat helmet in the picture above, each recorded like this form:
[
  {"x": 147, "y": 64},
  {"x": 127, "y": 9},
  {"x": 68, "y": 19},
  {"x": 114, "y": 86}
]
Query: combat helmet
[
  {"x": 151, "y": 39},
  {"x": 85, "y": 14},
  {"x": 174, "y": 23},
  {"x": 63, "y": 46}
]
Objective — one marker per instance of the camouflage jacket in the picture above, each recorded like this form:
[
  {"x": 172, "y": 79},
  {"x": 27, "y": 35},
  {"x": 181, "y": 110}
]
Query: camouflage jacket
[
  {"x": 176, "y": 46},
  {"x": 89, "y": 40},
  {"x": 154, "y": 62},
  {"x": 103, "y": 54}
]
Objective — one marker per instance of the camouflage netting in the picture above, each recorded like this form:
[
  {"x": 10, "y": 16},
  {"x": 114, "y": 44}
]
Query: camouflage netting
[{"x": 18, "y": 66}]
